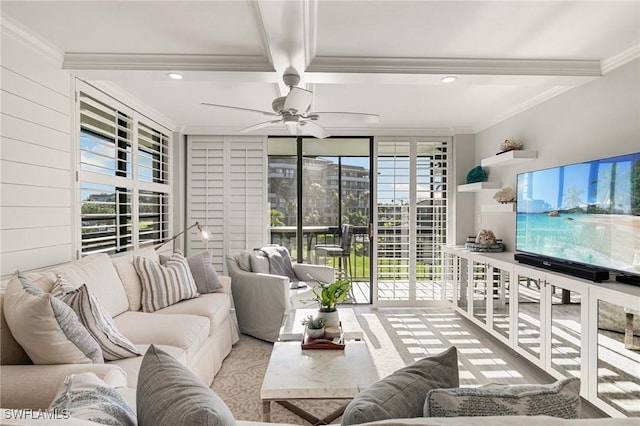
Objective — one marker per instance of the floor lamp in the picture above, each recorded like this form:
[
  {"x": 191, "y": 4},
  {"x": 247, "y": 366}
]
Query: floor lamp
[{"x": 202, "y": 231}]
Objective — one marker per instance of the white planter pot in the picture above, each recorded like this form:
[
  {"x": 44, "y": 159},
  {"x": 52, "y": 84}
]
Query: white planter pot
[
  {"x": 315, "y": 332},
  {"x": 333, "y": 320}
]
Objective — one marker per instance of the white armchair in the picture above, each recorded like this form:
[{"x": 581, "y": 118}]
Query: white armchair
[{"x": 262, "y": 299}]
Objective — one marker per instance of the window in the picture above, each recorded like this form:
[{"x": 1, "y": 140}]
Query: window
[{"x": 124, "y": 176}]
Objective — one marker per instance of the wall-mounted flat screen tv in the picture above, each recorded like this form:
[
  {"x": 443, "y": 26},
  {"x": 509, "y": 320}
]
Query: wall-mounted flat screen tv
[{"x": 585, "y": 214}]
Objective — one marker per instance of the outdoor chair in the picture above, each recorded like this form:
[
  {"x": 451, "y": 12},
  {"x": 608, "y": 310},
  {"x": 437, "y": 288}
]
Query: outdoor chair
[{"x": 342, "y": 252}]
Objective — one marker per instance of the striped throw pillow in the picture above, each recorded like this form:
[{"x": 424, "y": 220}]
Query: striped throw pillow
[
  {"x": 96, "y": 320},
  {"x": 163, "y": 286}
]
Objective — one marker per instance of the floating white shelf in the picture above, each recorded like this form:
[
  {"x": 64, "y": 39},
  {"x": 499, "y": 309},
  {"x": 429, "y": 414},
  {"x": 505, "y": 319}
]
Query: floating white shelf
[
  {"x": 479, "y": 186},
  {"x": 498, "y": 208},
  {"x": 509, "y": 157}
]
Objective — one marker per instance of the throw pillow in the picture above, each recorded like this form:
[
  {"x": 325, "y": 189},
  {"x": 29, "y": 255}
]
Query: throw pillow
[
  {"x": 86, "y": 397},
  {"x": 244, "y": 261},
  {"x": 204, "y": 274},
  {"x": 95, "y": 319},
  {"x": 259, "y": 262},
  {"x": 401, "y": 394},
  {"x": 47, "y": 329},
  {"x": 163, "y": 286},
  {"x": 559, "y": 399},
  {"x": 169, "y": 393}
]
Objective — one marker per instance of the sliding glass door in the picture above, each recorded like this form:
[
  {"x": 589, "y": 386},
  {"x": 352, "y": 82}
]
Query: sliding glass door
[
  {"x": 411, "y": 225},
  {"x": 315, "y": 186}
]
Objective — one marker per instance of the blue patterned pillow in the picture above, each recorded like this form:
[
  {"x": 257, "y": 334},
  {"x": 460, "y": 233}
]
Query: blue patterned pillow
[
  {"x": 401, "y": 394},
  {"x": 559, "y": 399},
  {"x": 85, "y": 396}
]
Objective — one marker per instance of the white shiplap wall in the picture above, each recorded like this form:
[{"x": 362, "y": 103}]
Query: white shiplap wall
[
  {"x": 36, "y": 157},
  {"x": 226, "y": 191}
]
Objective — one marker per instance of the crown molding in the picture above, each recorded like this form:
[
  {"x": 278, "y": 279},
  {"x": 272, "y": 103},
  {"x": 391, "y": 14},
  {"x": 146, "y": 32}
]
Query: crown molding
[
  {"x": 536, "y": 100},
  {"x": 461, "y": 66},
  {"x": 621, "y": 59},
  {"x": 14, "y": 29},
  {"x": 166, "y": 62}
]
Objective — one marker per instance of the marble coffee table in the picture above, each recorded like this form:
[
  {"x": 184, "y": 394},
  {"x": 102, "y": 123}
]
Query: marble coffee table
[
  {"x": 294, "y": 373},
  {"x": 292, "y": 328}
]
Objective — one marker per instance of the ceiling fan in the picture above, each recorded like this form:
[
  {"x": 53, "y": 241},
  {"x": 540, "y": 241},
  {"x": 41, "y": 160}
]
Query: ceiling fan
[{"x": 293, "y": 111}]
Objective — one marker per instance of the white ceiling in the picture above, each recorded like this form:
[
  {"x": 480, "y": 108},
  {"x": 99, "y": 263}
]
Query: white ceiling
[{"x": 384, "y": 57}]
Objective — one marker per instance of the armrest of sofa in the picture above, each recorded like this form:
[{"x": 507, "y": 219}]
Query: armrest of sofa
[
  {"x": 260, "y": 301},
  {"x": 309, "y": 272},
  {"x": 34, "y": 386}
]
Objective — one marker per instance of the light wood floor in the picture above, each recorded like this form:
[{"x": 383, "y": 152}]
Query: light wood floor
[{"x": 401, "y": 335}]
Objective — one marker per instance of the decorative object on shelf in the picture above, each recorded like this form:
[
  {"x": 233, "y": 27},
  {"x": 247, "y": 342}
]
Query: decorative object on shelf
[
  {"x": 315, "y": 326},
  {"x": 510, "y": 144},
  {"x": 486, "y": 242},
  {"x": 485, "y": 236},
  {"x": 477, "y": 174},
  {"x": 498, "y": 247},
  {"x": 505, "y": 195}
]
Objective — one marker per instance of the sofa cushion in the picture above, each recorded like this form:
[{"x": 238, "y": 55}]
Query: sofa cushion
[
  {"x": 187, "y": 332},
  {"x": 168, "y": 393},
  {"x": 129, "y": 276},
  {"x": 559, "y": 399},
  {"x": 98, "y": 272},
  {"x": 131, "y": 366},
  {"x": 85, "y": 396},
  {"x": 47, "y": 329},
  {"x": 164, "y": 285},
  {"x": 97, "y": 322},
  {"x": 402, "y": 393},
  {"x": 11, "y": 352},
  {"x": 213, "y": 306}
]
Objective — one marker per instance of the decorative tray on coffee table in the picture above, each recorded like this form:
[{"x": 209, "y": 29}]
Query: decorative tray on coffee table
[{"x": 331, "y": 340}]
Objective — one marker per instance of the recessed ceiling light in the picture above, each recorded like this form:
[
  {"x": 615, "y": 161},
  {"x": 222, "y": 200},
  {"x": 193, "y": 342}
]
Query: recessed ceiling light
[
  {"x": 175, "y": 76},
  {"x": 449, "y": 79}
]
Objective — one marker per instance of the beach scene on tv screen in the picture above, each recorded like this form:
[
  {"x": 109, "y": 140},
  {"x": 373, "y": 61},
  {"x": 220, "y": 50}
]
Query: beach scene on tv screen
[{"x": 586, "y": 213}]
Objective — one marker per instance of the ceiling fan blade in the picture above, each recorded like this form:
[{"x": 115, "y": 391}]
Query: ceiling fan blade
[
  {"x": 271, "y": 114},
  {"x": 313, "y": 129},
  {"x": 258, "y": 126},
  {"x": 351, "y": 117},
  {"x": 298, "y": 100}
]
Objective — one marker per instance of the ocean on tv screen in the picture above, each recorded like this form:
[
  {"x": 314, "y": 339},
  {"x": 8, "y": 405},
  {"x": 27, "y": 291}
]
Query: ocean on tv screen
[{"x": 586, "y": 213}]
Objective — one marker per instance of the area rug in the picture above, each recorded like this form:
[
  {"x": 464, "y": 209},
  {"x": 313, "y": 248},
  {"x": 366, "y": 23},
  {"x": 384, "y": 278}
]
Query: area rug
[{"x": 240, "y": 378}]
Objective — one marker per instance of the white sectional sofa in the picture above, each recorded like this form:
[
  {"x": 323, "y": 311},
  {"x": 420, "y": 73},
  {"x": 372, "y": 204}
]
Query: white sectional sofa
[{"x": 199, "y": 332}]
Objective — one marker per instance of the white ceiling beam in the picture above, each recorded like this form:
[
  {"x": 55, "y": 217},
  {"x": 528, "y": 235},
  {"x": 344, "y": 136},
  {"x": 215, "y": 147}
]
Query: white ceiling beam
[
  {"x": 459, "y": 66},
  {"x": 166, "y": 62},
  {"x": 285, "y": 27}
]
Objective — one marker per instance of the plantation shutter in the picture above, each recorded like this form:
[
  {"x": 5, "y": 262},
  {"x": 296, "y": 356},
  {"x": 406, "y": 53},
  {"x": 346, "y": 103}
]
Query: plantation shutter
[
  {"x": 226, "y": 191},
  {"x": 124, "y": 175}
]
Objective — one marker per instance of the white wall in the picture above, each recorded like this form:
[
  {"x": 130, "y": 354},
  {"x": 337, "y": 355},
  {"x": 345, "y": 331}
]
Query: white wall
[
  {"x": 600, "y": 119},
  {"x": 35, "y": 158}
]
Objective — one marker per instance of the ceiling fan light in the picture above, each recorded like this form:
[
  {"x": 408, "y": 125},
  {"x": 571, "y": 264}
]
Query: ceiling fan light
[{"x": 449, "y": 79}]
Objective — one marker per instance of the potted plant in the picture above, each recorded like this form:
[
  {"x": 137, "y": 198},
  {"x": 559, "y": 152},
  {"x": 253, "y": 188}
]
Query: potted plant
[
  {"x": 315, "y": 326},
  {"x": 328, "y": 296}
]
